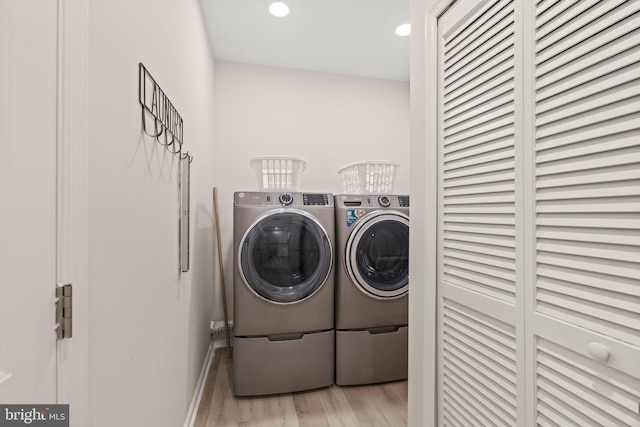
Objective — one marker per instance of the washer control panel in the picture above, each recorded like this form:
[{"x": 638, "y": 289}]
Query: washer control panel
[{"x": 292, "y": 199}]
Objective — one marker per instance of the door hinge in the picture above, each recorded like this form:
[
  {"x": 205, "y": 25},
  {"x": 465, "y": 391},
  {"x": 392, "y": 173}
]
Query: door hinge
[{"x": 63, "y": 311}]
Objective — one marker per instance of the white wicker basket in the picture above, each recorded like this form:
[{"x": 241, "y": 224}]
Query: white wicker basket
[
  {"x": 277, "y": 172},
  {"x": 368, "y": 177}
]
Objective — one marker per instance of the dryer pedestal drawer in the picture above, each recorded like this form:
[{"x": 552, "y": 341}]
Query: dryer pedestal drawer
[
  {"x": 283, "y": 364},
  {"x": 371, "y": 356}
]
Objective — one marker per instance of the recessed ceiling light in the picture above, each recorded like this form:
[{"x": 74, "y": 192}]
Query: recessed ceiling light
[
  {"x": 279, "y": 9},
  {"x": 403, "y": 30}
]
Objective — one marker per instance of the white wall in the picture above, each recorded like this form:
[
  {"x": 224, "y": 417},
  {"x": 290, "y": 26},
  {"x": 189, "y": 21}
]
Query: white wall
[
  {"x": 328, "y": 119},
  {"x": 149, "y": 323}
]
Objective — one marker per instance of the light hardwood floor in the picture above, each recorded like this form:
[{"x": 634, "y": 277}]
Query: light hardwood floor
[{"x": 371, "y": 405}]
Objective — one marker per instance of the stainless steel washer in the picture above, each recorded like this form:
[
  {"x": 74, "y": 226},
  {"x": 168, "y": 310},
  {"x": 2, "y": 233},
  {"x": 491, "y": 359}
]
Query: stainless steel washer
[{"x": 283, "y": 292}]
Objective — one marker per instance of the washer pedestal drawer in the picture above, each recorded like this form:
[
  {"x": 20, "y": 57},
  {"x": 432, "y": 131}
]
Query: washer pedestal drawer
[
  {"x": 371, "y": 356},
  {"x": 283, "y": 364}
]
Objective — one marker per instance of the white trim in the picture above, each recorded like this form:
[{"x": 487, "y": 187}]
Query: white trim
[
  {"x": 72, "y": 202},
  {"x": 422, "y": 407},
  {"x": 197, "y": 395}
]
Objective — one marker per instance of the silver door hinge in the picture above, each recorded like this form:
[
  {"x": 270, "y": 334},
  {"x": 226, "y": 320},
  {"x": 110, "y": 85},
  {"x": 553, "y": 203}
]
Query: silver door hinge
[{"x": 63, "y": 311}]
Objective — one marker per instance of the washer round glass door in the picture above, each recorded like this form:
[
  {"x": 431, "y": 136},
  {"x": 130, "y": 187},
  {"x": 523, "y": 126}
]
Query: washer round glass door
[
  {"x": 285, "y": 256},
  {"x": 377, "y": 254}
]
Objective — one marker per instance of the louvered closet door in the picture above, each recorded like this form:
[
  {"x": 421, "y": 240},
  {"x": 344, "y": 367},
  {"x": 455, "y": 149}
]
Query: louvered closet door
[
  {"x": 586, "y": 319},
  {"x": 477, "y": 280}
]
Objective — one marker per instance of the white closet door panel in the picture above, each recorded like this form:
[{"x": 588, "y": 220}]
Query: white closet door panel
[
  {"x": 587, "y": 70},
  {"x": 553, "y": 363},
  {"x": 586, "y": 264},
  {"x": 498, "y": 179},
  {"x": 586, "y": 319},
  {"x": 622, "y": 364},
  {"x": 590, "y": 221},
  {"x": 485, "y": 87},
  {"x": 582, "y": 94},
  {"x": 479, "y": 369},
  {"x": 473, "y": 281},
  {"x": 608, "y": 44},
  {"x": 493, "y": 187},
  {"x": 594, "y": 281},
  {"x": 578, "y": 23},
  {"x": 547, "y": 10},
  {"x": 458, "y": 108},
  {"x": 504, "y": 219},
  {"x": 601, "y": 99},
  {"x": 611, "y": 252},
  {"x": 498, "y": 176},
  {"x": 477, "y": 238},
  {"x": 466, "y": 129},
  {"x": 553, "y": 20},
  {"x": 474, "y": 164},
  {"x": 480, "y": 72},
  {"x": 548, "y": 152},
  {"x": 552, "y": 192},
  {"x": 610, "y": 158},
  {"x": 494, "y": 124},
  {"x": 604, "y": 319},
  {"x": 582, "y": 292},
  {"x": 497, "y": 139},
  {"x": 482, "y": 259},
  {"x": 614, "y": 237},
  {"x": 594, "y": 117},
  {"x": 485, "y": 239},
  {"x": 489, "y": 198},
  {"x": 481, "y": 230},
  {"x": 465, "y": 39},
  {"x": 571, "y": 385},
  {"x": 631, "y": 204},
  {"x": 497, "y": 106},
  {"x": 588, "y": 134},
  {"x": 481, "y": 269},
  {"x": 610, "y": 72},
  {"x": 459, "y": 23},
  {"x": 475, "y": 54},
  {"x": 473, "y": 209}
]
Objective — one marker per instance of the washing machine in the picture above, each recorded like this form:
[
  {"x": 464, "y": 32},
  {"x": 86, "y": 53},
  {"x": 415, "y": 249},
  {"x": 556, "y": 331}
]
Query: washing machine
[
  {"x": 372, "y": 286},
  {"x": 283, "y": 306}
]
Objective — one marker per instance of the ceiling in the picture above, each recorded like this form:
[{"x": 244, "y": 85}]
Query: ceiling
[{"x": 350, "y": 37}]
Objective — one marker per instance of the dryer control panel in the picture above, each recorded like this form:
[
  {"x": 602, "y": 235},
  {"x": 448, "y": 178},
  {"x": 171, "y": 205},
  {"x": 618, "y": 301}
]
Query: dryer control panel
[{"x": 373, "y": 201}]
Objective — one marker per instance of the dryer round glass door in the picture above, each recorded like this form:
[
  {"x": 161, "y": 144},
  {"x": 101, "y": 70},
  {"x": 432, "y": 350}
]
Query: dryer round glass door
[
  {"x": 285, "y": 256},
  {"x": 377, "y": 254}
]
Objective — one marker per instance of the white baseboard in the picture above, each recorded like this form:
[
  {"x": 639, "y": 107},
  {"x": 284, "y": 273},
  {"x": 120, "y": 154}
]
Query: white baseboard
[{"x": 197, "y": 394}]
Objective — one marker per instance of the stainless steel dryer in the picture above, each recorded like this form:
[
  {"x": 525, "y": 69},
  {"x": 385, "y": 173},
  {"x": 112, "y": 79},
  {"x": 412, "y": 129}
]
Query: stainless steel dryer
[
  {"x": 283, "y": 292},
  {"x": 372, "y": 285}
]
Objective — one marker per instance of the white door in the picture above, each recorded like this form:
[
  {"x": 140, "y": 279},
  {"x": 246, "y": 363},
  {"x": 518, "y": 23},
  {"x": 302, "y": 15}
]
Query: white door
[
  {"x": 28, "y": 49},
  {"x": 479, "y": 284},
  {"x": 539, "y": 224},
  {"x": 585, "y": 293}
]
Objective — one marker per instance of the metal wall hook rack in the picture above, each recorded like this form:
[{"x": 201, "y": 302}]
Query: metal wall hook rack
[{"x": 167, "y": 122}]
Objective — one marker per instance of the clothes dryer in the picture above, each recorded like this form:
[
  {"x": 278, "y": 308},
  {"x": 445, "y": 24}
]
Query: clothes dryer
[
  {"x": 372, "y": 285},
  {"x": 283, "y": 292}
]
